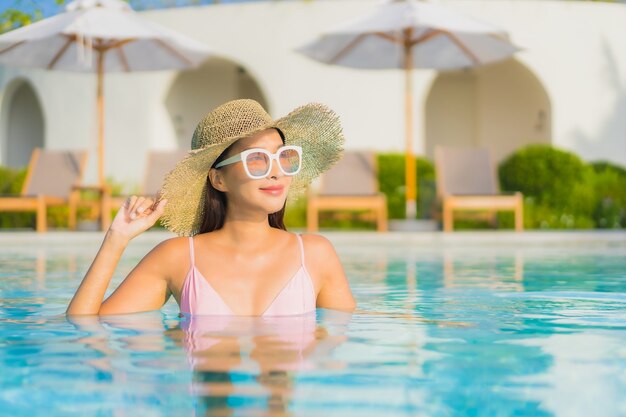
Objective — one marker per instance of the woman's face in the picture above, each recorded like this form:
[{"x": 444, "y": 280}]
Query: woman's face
[{"x": 267, "y": 193}]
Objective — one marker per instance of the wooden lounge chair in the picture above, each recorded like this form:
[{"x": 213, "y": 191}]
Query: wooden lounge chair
[
  {"x": 158, "y": 165},
  {"x": 351, "y": 184},
  {"x": 466, "y": 180},
  {"x": 53, "y": 179}
]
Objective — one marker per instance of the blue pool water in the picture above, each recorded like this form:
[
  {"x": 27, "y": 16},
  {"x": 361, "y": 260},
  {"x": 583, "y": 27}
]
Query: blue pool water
[{"x": 461, "y": 329}]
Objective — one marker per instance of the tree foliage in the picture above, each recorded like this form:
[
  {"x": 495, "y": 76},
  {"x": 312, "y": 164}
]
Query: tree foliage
[
  {"x": 12, "y": 18},
  {"x": 22, "y": 12}
]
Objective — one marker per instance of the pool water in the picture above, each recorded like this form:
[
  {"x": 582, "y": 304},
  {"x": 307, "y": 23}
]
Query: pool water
[{"x": 469, "y": 329}]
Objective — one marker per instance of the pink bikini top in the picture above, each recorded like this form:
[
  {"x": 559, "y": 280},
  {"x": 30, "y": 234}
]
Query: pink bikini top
[{"x": 199, "y": 297}]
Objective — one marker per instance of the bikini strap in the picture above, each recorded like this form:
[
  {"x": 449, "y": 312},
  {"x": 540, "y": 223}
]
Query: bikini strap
[
  {"x": 301, "y": 248},
  {"x": 191, "y": 254}
]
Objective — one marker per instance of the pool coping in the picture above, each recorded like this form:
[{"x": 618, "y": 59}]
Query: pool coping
[{"x": 577, "y": 237}]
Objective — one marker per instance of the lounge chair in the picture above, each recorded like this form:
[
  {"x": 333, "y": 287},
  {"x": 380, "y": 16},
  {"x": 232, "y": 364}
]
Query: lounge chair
[
  {"x": 352, "y": 184},
  {"x": 158, "y": 165},
  {"x": 53, "y": 179},
  {"x": 466, "y": 180}
]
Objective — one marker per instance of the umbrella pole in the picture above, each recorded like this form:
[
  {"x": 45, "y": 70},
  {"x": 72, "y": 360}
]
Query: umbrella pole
[
  {"x": 410, "y": 168},
  {"x": 100, "y": 109}
]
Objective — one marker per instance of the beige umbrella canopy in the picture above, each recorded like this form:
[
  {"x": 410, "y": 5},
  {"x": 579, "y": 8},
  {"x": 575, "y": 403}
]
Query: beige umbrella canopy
[
  {"x": 100, "y": 36},
  {"x": 409, "y": 34}
]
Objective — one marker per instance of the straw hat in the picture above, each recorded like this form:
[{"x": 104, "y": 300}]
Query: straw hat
[{"x": 314, "y": 127}]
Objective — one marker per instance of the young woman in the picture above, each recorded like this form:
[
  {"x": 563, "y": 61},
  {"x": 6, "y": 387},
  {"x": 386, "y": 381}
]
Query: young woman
[{"x": 227, "y": 201}]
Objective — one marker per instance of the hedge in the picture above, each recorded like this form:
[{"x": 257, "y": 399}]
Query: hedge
[
  {"x": 391, "y": 179},
  {"x": 560, "y": 191},
  {"x": 11, "y": 181},
  {"x": 609, "y": 185}
]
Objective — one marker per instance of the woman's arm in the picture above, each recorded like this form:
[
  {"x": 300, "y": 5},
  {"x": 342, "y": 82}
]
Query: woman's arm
[
  {"x": 335, "y": 290},
  {"x": 134, "y": 217}
]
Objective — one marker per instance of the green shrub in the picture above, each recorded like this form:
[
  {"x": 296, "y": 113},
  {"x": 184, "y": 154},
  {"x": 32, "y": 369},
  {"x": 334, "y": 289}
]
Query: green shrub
[
  {"x": 295, "y": 214},
  {"x": 295, "y": 217},
  {"x": 392, "y": 183},
  {"x": 11, "y": 181},
  {"x": 600, "y": 167},
  {"x": 120, "y": 188},
  {"x": 542, "y": 172},
  {"x": 538, "y": 216},
  {"x": 555, "y": 184},
  {"x": 609, "y": 186}
]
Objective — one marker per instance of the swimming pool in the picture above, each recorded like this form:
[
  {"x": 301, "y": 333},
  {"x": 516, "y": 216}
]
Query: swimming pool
[{"x": 468, "y": 325}]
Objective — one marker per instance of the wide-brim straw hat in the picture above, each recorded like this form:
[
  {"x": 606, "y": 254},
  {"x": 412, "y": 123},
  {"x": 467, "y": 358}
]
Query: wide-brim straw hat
[{"x": 314, "y": 127}]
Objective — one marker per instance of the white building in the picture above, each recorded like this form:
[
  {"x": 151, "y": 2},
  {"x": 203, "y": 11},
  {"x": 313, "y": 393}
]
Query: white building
[{"x": 567, "y": 87}]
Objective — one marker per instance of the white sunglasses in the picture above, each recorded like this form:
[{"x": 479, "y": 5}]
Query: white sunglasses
[{"x": 257, "y": 162}]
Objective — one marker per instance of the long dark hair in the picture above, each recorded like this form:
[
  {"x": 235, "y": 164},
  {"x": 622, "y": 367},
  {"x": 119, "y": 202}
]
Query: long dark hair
[{"x": 216, "y": 203}]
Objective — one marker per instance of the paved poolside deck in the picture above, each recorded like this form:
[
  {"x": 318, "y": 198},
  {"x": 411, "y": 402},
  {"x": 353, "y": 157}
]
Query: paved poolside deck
[{"x": 12, "y": 239}]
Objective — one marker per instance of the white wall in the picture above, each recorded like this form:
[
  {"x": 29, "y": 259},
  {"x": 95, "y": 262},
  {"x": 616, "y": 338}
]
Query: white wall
[
  {"x": 451, "y": 112},
  {"x": 501, "y": 107},
  {"x": 514, "y": 109},
  {"x": 577, "y": 50},
  {"x": 23, "y": 119},
  {"x": 193, "y": 93}
]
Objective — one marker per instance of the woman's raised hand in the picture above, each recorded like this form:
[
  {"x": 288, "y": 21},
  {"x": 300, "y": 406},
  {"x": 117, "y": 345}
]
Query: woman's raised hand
[{"x": 136, "y": 215}]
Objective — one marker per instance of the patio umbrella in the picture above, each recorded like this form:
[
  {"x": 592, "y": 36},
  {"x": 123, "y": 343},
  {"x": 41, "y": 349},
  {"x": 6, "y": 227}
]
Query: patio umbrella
[
  {"x": 101, "y": 36},
  {"x": 409, "y": 34}
]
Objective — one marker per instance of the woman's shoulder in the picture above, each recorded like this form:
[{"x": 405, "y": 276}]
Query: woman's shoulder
[
  {"x": 178, "y": 245},
  {"x": 173, "y": 244},
  {"x": 182, "y": 242},
  {"x": 174, "y": 249},
  {"x": 317, "y": 245},
  {"x": 321, "y": 258}
]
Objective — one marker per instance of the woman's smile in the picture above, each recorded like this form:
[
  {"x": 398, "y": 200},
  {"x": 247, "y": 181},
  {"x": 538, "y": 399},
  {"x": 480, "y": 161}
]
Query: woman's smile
[{"x": 273, "y": 189}]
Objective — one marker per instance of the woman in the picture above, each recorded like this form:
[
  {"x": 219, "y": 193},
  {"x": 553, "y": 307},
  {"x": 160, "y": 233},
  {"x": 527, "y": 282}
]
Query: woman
[{"x": 227, "y": 200}]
